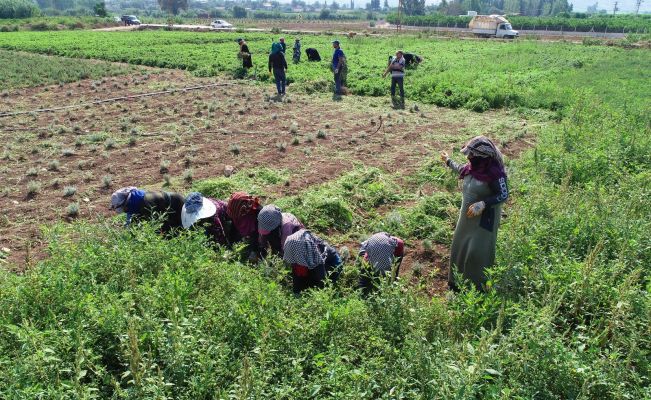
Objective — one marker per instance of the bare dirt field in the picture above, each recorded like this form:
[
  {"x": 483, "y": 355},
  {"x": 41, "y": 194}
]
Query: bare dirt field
[{"x": 158, "y": 141}]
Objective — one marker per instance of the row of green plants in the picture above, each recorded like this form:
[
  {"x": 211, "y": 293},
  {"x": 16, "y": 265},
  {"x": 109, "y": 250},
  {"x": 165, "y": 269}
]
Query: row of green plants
[
  {"x": 455, "y": 73},
  {"x": 30, "y": 70},
  {"x": 126, "y": 313},
  {"x": 597, "y": 23},
  {"x": 55, "y": 23}
]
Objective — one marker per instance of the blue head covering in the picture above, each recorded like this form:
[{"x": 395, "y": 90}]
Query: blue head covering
[
  {"x": 193, "y": 202},
  {"x": 276, "y": 48},
  {"x": 134, "y": 203}
]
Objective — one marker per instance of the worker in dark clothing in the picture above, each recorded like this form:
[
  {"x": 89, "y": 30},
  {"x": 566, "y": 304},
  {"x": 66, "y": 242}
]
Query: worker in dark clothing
[
  {"x": 339, "y": 67},
  {"x": 283, "y": 44},
  {"x": 245, "y": 54},
  {"x": 141, "y": 205},
  {"x": 278, "y": 65}
]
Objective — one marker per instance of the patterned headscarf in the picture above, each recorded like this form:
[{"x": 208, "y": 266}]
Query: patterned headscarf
[
  {"x": 481, "y": 146},
  {"x": 242, "y": 204},
  {"x": 380, "y": 249},
  {"x": 119, "y": 198},
  {"x": 269, "y": 218},
  {"x": 488, "y": 162},
  {"x": 302, "y": 248}
]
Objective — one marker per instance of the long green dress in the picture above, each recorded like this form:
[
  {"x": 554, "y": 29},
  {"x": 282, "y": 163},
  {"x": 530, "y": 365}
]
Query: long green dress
[{"x": 473, "y": 245}]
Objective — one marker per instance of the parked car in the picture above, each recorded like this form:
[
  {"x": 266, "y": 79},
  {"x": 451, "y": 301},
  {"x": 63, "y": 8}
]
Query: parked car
[
  {"x": 221, "y": 24},
  {"x": 130, "y": 20}
]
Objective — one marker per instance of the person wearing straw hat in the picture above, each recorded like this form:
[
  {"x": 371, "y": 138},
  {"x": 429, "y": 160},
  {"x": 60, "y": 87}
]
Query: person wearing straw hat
[
  {"x": 211, "y": 214},
  {"x": 141, "y": 205},
  {"x": 274, "y": 227},
  {"x": 484, "y": 191}
]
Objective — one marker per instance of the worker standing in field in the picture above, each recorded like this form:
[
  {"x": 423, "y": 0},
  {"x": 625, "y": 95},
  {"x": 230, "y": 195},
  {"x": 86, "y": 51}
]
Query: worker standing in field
[
  {"x": 278, "y": 65},
  {"x": 311, "y": 259},
  {"x": 484, "y": 191},
  {"x": 397, "y": 69},
  {"x": 338, "y": 67},
  {"x": 274, "y": 227},
  {"x": 140, "y": 205},
  {"x": 283, "y": 44},
  {"x": 297, "y": 51},
  {"x": 245, "y": 54},
  {"x": 379, "y": 254}
]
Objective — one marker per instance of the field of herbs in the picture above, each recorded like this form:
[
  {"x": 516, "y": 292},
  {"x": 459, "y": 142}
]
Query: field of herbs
[
  {"x": 127, "y": 314},
  {"x": 456, "y": 73}
]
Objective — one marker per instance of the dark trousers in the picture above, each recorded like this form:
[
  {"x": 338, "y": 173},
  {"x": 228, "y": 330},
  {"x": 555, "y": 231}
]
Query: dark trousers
[
  {"x": 338, "y": 80},
  {"x": 281, "y": 80},
  {"x": 397, "y": 81}
]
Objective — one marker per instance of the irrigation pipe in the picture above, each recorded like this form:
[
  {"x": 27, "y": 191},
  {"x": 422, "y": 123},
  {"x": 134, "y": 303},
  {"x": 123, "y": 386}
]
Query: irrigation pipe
[{"x": 112, "y": 99}]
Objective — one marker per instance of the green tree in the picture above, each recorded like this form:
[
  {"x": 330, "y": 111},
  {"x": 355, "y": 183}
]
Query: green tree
[
  {"x": 413, "y": 7},
  {"x": 100, "y": 9},
  {"x": 239, "y": 12},
  {"x": 173, "y": 6}
]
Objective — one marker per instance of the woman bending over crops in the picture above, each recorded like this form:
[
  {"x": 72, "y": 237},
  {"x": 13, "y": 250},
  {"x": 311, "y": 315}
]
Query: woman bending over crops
[
  {"x": 274, "y": 227},
  {"x": 243, "y": 210},
  {"x": 211, "y": 215},
  {"x": 141, "y": 205},
  {"x": 484, "y": 190},
  {"x": 311, "y": 259},
  {"x": 379, "y": 254}
]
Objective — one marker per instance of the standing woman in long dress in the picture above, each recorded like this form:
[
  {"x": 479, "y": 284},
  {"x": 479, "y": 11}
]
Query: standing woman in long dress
[{"x": 484, "y": 191}]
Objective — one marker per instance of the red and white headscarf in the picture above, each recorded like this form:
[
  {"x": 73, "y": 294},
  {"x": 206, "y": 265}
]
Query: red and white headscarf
[
  {"x": 379, "y": 250},
  {"x": 302, "y": 248}
]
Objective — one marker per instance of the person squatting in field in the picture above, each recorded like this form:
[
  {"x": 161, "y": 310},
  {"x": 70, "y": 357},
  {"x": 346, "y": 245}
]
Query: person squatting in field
[
  {"x": 278, "y": 65},
  {"x": 209, "y": 214},
  {"x": 484, "y": 189},
  {"x": 378, "y": 255},
  {"x": 245, "y": 54},
  {"x": 311, "y": 259},
  {"x": 397, "y": 69},
  {"x": 274, "y": 227},
  {"x": 141, "y": 205}
]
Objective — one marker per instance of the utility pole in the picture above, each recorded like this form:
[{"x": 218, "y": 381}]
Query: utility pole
[
  {"x": 638, "y": 3},
  {"x": 399, "y": 22},
  {"x": 615, "y": 9}
]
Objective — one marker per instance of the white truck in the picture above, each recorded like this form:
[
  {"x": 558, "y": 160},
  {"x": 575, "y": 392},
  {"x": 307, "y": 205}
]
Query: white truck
[{"x": 492, "y": 26}]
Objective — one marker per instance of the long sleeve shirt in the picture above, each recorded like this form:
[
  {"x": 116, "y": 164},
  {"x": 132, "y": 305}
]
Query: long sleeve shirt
[{"x": 277, "y": 62}]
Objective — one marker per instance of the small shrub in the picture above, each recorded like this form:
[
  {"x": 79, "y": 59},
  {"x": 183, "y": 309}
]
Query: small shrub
[
  {"x": 33, "y": 187},
  {"x": 109, "y": 144},
  {"x": 188, "y": 175},
  {"x": 72, "y": 210},
  {"x": 132, "y": 141},
  {"x": 69, "y": 191},
  {"x": 167, "y": 180},
  {"x": 67, "y": 152},
  {"x": 282, "y": 146},
  {"x": 309, "y": 139},
  {"x": 321, "y": 134},
  {"x": 164, "y": 166},
  {"x": 32, "y": 172},
  {"x": 55, "y": 183},
  {"x": 293, "y": 128},
  {"x": 235, "y": 149},
  {"x": 53, "y": 165},
  {"x": 295, "y": 141},
  {"x": 107, "y": 181}
]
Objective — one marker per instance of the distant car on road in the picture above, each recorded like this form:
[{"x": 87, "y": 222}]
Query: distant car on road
[
  {"x": 221, "y": 24},
  {"x": 130, "y": 20}
]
